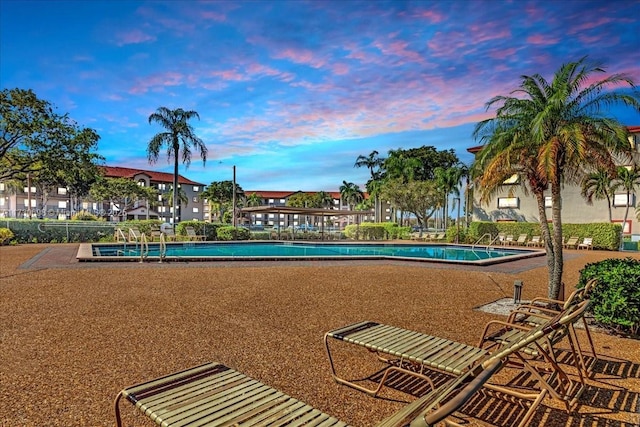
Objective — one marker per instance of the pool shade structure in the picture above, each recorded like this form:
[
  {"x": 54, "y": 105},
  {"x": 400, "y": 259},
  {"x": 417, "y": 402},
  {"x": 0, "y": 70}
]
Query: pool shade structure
[{"x": 290, "y": 210}]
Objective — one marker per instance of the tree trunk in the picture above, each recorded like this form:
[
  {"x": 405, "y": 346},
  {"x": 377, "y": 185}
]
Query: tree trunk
[
  {"x": 546, "y": 237},
  {"x": 556, "y": 211},
  {"x": 175, "y": 184}
]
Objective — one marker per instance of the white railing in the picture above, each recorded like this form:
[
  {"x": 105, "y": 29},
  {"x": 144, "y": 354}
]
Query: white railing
[
  {"x": 144, "y": 247},
  {"x": 492, "y": 240}
]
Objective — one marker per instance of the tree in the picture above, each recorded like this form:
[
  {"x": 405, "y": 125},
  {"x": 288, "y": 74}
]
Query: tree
[
  {"x": 178, "y": 138},
  {"x": 351, "y": 194},
  {"x": 219, "y": 197},
  {"x": 627, "y": 179},
  {"x": 554, "y": 133},
  {"x": 448, "y": 181},
  {"x": 50, "y": 147},
  {"x": 418, "y": 197},
  {"x": 598, "y": 185},
  {"x": 324, "y": 200},
  {"x": 374, "y": 164},
  {"x": 121, "y": 193}
]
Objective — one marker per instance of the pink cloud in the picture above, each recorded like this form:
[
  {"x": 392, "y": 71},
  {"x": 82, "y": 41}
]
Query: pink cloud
[
  {"x": 541, "y": 39},
  {"x": 301, "y": 56},
  {"x": 399, "y": 48},
  {"x": 157, "y": 82},
  {"x": 210, "y": 15},
  {"x": 502, "y": 53},
  {"x": 340, "y": 69},
  {"x": 430, "y": 15},
  {"x": 134, "y": 36}
]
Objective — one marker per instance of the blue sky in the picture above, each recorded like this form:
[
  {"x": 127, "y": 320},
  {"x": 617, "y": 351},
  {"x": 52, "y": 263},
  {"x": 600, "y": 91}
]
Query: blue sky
[{"x": 291, "y": 92}]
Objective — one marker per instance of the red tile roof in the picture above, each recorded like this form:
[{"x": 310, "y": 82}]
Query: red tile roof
[
  {"x": 285, "y": 194},
  {"x": 118, "y": 172}
]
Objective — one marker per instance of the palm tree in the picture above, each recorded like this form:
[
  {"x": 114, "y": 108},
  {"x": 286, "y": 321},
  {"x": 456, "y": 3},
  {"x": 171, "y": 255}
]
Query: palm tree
[
  {"x": 598, "y": 186},
  {"x": 325, "y": 200},
  {"x": 627, "y": 180},
  {"x": 554, "y": 133},
  {"x": 373, "y": 163},
  {"x": 178, "y": 138},
  {"x": 448, "y": 180},
  {"x": 351, "y": 194}
]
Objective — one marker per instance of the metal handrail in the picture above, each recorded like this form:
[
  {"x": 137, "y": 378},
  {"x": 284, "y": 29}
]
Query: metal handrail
[
  {"x": 491, "y": 241},
  {"x": 144, "y": 247},
  {"x": 163, "y": 247}
]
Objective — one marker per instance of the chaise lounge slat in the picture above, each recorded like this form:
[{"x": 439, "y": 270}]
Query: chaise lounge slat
[
  {"x": 214, "y": 395},
  {"x": 435, "y": 352}
]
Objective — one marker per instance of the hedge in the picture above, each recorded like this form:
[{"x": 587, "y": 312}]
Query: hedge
[
  {"x": 615, "y": 300},
  {"x": 376, "y": 231},
  {"x": 229, "y": 232}
]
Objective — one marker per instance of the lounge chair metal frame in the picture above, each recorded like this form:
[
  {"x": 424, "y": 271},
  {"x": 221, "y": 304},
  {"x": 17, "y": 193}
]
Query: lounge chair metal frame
[{"x": 414, "y": 349}]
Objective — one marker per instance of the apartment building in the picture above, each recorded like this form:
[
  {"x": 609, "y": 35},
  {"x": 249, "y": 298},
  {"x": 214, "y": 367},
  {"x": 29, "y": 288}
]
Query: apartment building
[
  {"x": 511, "y": 204},
  {"x": 28, "y": 202}
]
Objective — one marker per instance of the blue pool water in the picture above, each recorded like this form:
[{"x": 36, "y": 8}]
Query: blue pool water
[{"x": 290, "y": 250}]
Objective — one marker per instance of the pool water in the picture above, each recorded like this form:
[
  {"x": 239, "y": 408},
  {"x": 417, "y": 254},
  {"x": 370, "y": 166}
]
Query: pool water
[{"x": 290, "y": 250}]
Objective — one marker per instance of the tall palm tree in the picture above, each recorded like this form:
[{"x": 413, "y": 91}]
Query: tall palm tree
[
  {"x": 448, "y": 180},
  {"x": 598, "y": 186},
  {"x": 554, "y": 133},
  {"x": 178, "y": 138},
  {"x": 325, "y": 200},
  {"x": 627, "y": 179},
  {"x": 373, "y": 163}
]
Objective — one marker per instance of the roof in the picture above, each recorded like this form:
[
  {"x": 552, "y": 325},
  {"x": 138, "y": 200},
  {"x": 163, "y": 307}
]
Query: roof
[
  {"x": 119, "y": 172},
  {"x": 303, "y": 211},
  {"x": 285, "y": 194}
]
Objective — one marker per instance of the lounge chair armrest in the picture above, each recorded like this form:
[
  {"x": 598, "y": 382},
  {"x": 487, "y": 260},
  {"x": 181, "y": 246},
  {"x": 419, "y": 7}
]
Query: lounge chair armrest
[
  {"x": 527, "y": 310},
  {"x": 497, "y": 324}
]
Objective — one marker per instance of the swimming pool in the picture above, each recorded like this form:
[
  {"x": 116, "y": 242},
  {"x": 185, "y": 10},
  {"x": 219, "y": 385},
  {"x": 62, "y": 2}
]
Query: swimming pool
[{"x": 274, "y": 251}]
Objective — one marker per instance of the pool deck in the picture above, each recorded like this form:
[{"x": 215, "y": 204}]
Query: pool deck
[{"x": 73, "y": 334}]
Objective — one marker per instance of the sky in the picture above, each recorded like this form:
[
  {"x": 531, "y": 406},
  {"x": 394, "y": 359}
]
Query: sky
[{"x": 292, "y": 92}]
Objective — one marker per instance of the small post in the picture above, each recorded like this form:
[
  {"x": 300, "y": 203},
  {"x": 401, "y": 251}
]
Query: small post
[{"x": 517, "y": 291}]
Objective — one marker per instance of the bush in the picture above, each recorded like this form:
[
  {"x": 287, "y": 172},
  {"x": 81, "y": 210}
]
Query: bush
[
  {"x": 5, "y": 236},
  {"x": 207, "y": 229},
  {"x": 84, "y": 216},
  {"x": 615, "y": 300},
  {"x": 233, "y": 233}
]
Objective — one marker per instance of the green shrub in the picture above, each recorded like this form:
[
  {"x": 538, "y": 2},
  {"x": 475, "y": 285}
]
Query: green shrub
[
  {"x": 6, "y": 236},
  {"x": 615, "y": 300},
  {"x": 233, "y": 233},
  {"x": 144, "y": 225},
  {"x": 463, "y": 236},
  {"x": 84, "y": 216},
  {"x": 207, "y": 229}
]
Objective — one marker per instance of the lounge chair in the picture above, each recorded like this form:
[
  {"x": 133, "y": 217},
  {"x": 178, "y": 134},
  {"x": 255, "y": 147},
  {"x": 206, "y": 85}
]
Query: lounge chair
[
  {"x": 522, "y": 240},
  {"x": 215, "y": 395},
  {"x": 587, "y": 243},
  {"x": 540, "y": 309},
  {"x": 508, "y": 240},
  {"x": 413, "y": 352},
  {"x": 535, "y": 241},
  {"x": 191, "y": 234},
  {"x": 571, "y": 243}
]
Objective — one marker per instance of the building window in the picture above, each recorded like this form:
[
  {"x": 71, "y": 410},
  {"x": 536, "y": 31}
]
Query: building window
[
  {"x": 270, "y": 200},
  {"x": 62, "y": 191},
  {"x": 1, "y": 186},
  {"x": 508, "y": 202},
  {"x": 196, "y": 210},
  {"x": 33, "y": 203},
  {"x": 196, "y": 188},
  {"x": 62, "y": 204},
  {"x": 258, "y": 215},
  {"x": 283, "y": 201},
  {"x": 271, "y": 216},
  {"x": 141, "y": 183},
  {"x": 548, "y": 203},
  {"x": 162, "y": 186},
  {"x": 622, "y": 200},
  {"x": 1, "y": 201},
  {"x": 26, "y": 189}
]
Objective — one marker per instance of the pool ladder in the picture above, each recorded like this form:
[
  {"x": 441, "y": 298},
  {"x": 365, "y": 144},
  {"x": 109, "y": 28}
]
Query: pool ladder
[
  {"x": 492, "y": 240},
  {"x": 144, "y": 247}
]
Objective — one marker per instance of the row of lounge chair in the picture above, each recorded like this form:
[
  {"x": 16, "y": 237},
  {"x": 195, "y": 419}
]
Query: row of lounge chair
[
  {"x": 133, "y": 235},
  {"x": 428, "y": 237},
  {"x": 536, "y": 241},
  {"x": 216, "y": 395}
]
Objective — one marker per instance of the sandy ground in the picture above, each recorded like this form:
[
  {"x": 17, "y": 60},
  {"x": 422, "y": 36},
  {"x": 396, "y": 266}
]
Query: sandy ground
[{"x": 72, "y": 337}]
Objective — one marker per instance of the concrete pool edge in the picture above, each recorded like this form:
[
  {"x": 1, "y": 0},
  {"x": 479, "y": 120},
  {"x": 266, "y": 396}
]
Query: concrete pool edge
[{"x": 86, "y": 254}]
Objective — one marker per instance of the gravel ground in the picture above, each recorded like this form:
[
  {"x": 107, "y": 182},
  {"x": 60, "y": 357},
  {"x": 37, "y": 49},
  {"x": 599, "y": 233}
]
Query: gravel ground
[{"x": 72, "y": 337}]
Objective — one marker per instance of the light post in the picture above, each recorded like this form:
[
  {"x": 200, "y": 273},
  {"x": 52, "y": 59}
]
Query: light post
[
  {"x": 234, "y": 197},
  {"x": 457, "y": 199}
]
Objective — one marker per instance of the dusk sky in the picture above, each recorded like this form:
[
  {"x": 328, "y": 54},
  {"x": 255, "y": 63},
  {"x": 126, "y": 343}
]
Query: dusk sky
[{"x": 291, "y": 92}]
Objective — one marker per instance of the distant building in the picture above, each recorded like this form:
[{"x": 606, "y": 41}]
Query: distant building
[
  {"x": 511, "y": 204},
  {"x": 27, "y": 202}
]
